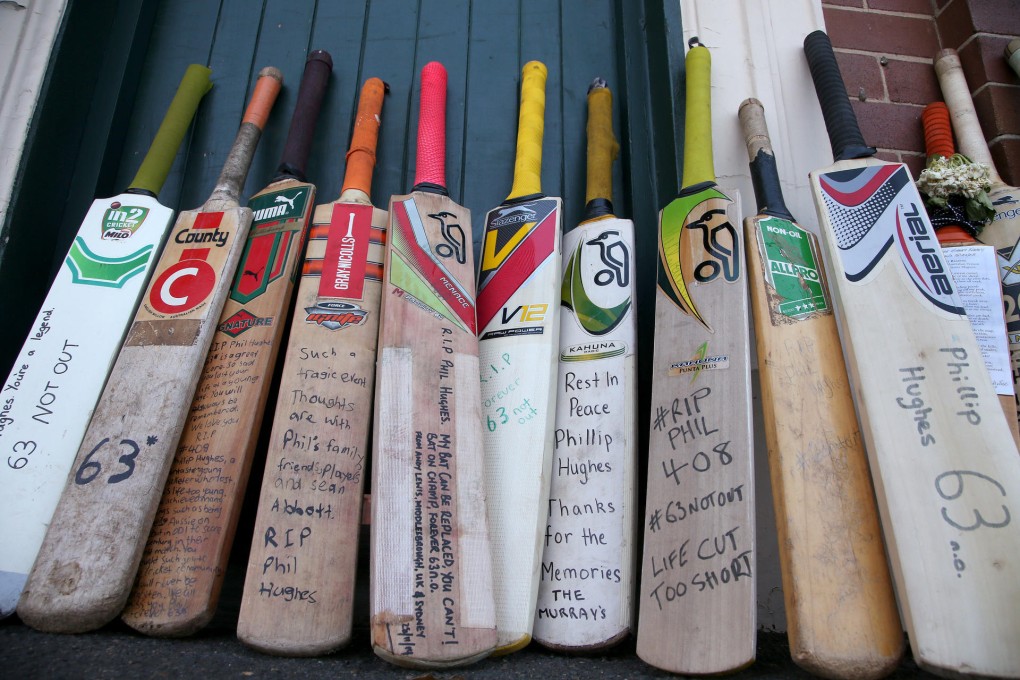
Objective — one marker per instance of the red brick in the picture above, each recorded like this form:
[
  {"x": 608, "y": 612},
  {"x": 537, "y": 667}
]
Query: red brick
[
  {"x": 995, "y": 16},
  {"x": 1006, "y": 154},
  {"x": 881, "y": 33},
  {"x": 914, "y": 161},
  {"x": 955, "y": 25},
  {"x": 891, "y": 126},
  {"x": 861, "y": 71},
  {"x": 911, "y": 82},
  {"x": 845, "y": 3},
  {"x": 963, "y": 18},
  {"x": 982, "y": 60},
  {"x": 910, "y": 6},
  {"x": 998, "y": 111}
]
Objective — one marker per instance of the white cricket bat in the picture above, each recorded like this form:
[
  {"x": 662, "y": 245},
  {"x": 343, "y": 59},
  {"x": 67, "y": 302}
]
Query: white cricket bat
[
  {"x": 586, "y": 588},
  {"x": 87, "y": 563},
  {"x": 945, "y": 469},
  {"x": 47, "y": 401},
  {"x": 298, "y": 596},
  {"x": 697, "y": 598},
  {"x": 518, "y": 318}
]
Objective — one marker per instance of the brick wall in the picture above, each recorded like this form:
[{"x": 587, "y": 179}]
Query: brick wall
[{"x": 885, "y": 50}]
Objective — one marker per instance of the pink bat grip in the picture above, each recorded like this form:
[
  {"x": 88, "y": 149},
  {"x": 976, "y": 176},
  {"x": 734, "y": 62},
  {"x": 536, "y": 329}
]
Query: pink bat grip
[{"x": 431, "y": 162}]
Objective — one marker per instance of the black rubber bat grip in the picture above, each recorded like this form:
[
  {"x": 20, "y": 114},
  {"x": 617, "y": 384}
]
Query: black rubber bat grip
[
  {"x": 840, "y": 121},
  {"x": 306, "y": 112}
]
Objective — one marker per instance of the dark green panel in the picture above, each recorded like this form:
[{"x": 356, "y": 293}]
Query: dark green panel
[
  {"x": 339, "y": 29},
  {"x": 634, "y": 45},
  {"x": 282, "y": 42}
]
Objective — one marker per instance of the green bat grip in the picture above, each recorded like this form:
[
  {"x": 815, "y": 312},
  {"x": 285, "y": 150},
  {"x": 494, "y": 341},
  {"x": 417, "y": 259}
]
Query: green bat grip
[
  {"x": 156, "y": 166},
  {"x": 698, "y": 126},
  {"x": 530, "y": 129}
]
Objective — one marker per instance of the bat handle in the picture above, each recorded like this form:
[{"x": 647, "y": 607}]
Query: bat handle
[
  {"x": 764, "y": 173},
  {"x": 361, "y": 156},
  {"x": 430, "y": 166},
  {"x": 698, "y": 165},
  {"x": 938, "y": 131},
  {"x": 840, "y": 120},
  {"x": 154, "y": 169},
  {"x": 962, "y": 112},
  {"x": 530, "y": 130},
  {"x": 602, "y": 151},
  {"x": 306, "y": 112},
  {"x": 235, "y": 169}
]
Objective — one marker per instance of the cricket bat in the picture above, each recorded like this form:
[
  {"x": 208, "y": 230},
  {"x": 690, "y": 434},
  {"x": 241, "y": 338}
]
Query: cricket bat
[
  {"x": 298, "y": 593},
  {"x": 589, "y": 533},
  {"x": 697, "y": 598},
  {"x": 518, "y": 314},
  {"x": 92, "y": 549},
  {"x": 975, "y": 270},
  {"x": 841, "y": 617},
  {"x": 431, "y": 596},
  {"x": 47, "y": 401},
  {"x": 1004, "y": 231},
  {"x": 181, "y": 572},
  {"x": 942, "y": 459}
]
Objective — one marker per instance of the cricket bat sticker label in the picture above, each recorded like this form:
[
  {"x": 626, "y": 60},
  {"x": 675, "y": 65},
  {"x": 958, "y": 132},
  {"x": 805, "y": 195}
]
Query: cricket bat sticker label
[
  {"x": 345, "y": 264},
  {"x": 122, "y": 221},
  {"x": 796, "y": 286},
  {"x": 596, "y": 280},
  {"x": 871, "y": 209}
]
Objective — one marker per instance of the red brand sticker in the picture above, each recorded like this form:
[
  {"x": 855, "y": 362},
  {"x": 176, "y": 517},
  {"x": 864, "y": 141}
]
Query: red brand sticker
[
  {"x": 207, "y": 220},
  {"x": 346, "y": 259},
  {"x": 183, "y": 285}
]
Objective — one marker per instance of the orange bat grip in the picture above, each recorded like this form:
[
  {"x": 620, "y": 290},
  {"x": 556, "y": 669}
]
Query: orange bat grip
[
  {"x": 267, "y": 87},
  {"x": 361, "y": 156},
  {"x": 938, "y": 130}
]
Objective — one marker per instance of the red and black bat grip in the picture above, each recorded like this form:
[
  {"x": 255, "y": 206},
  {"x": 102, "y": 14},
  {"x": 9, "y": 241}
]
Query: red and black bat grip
[
  {"x": 306, "y": 112},
  {"x": 840, "y": 120}
]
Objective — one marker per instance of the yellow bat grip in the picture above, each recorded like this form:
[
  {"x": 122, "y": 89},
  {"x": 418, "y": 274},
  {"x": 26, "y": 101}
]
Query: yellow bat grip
[
  {"x": 530, "y": 128},
  {"x": 698, "y": 126},
  {"x": 602, "y": 145}
]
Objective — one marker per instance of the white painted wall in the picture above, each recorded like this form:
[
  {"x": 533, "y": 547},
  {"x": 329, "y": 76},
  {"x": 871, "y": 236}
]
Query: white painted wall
[{"x": 27, "y": 31}]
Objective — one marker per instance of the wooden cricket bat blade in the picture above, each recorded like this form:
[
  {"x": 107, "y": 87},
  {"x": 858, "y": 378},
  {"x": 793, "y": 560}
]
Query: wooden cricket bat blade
[
  {"x": 943, "y": 461},
  {"x": 94, "y": 544},
  {"x": 841, "y": 616},
  {"x": 697, "y": 595},
  {"x": 431, "y": 567},
  {"x": 194, "y": 527},
  {"x": 298, "y": 596}
]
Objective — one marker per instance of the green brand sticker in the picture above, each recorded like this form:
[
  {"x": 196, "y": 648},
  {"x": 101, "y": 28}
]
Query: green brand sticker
[
  {"x": 121, "y": 221},
  {"x": 791, "y": 269},
  {"x": 279, "y": 206}
]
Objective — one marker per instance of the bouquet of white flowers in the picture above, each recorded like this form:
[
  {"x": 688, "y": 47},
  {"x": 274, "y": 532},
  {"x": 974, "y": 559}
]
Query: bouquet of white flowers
[{"x": 958, "y": 185}]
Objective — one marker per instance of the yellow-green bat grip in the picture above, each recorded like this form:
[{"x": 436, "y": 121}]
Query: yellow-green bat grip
[
  {"x": 530, "y": 128},
  {"x": 602, "y": 145},
  {"x": 160, "y": 158},
  {"x": 698, "y": 127}
]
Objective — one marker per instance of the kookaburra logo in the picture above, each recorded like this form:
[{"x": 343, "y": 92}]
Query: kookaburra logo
[
  {"x": 725, "y": 260},
  {"x": 454, "y": 245},
  {"x": 614, "y": 256}
]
